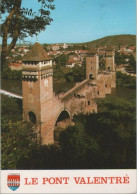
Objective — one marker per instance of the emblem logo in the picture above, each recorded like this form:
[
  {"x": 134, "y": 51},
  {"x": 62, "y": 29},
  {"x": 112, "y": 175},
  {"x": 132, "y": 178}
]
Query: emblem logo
[{"x": 13, "y": 181}]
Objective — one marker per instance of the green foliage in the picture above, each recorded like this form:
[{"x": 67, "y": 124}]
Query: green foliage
[
  {"x": 75, "y": 74},
  {"x": 16, "y": 58},
  {"x": 125, "y": 80},
  {"x": 18, "y": 139},
  {"x": 102, "y": 140},
  {"x": 115, "y": 40},
  {"x": 11, "y": 74},
  {"x": 29, "y": 21},
  {"x": 119, "y": 58},
  {"x": 59, "y": 72},
  {"x": 71, "y": 53},
  {"x": 61, "y": 60},
  {"x": 44, "y": 157},
  {"x": 132, "y": 64},
  {"x": 11, "y": 108},
  {"x": 20, "y": 147},
  {"x": 77, "y": 147}
]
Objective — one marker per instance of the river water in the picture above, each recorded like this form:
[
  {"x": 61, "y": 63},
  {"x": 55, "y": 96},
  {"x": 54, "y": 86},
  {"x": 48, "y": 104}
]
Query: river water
[{"x": 15, "y": 86}]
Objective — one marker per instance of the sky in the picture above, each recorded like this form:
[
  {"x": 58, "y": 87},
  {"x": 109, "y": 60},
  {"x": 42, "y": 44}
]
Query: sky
[{"x": 77, "y": 21}]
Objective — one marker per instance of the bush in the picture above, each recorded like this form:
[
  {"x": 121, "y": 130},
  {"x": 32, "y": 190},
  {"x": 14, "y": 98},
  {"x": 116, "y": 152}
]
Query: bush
[{"x": 125, "y": 80}]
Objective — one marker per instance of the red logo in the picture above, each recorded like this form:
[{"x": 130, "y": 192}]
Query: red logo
[{"x": 13, "y": 181}]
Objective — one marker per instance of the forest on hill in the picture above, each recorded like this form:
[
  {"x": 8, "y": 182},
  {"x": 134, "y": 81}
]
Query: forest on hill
[{"x": 116, "y": 40}]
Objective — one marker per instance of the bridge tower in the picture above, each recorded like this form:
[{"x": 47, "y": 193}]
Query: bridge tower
[
  {"x": 92, "y": 64},
  {"x": 110, "y": 59},
  {"x": 37, "y": 86},
  {"x": 110, "y": 65}
]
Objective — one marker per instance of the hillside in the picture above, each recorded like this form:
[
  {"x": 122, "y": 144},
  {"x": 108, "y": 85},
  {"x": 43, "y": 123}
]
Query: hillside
[{"x": 115, "y": 40}]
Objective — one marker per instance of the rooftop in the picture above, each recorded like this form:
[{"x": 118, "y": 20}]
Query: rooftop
[{"x": 37, "y": 53}]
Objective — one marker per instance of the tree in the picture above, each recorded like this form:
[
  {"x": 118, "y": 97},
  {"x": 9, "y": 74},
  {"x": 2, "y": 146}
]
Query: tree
[
  {"x": 22, "y": 22},
  {"x": 11, "y": 108},
  {"x": 77, "y": 147},
  {"x": 102, "y": 140},
  {"x": 114, "y": 128},
  {"x": 132, "y": 63},
  {"x": 76, "y": 74},
  {"x": 61, "y": 60},
  {"x": 125, "y": 80},
  {"x": 119, "y": 59},
  {"x": 18, "y": 139}
]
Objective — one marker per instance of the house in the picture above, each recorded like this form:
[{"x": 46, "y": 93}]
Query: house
[
  {"x": 75, "y": 57},
  {"x": 71, "y": 63},
  {"x": 55, "y": 47}
]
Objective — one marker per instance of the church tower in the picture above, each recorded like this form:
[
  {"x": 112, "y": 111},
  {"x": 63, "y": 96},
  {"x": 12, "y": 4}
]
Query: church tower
[
  {"x": 37, "y": 84},
  {"x": 110, "y": 59},
  {"x": 92, "y": 64}
]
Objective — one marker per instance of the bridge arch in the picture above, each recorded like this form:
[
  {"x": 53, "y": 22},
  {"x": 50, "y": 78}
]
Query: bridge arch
[
  {"x": 62, "y": 116},
  {"x": 32, "y": 117},
  {"x": 63, "y": 120}
]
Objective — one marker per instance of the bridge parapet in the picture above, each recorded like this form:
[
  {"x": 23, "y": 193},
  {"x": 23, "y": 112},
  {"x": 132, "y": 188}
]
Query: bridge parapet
[
  {"x": 10, "y": 94},
  {"x": 74, "y": 89}
]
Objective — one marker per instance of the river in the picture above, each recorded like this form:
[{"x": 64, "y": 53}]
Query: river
[{"x": 15, "y": 86}]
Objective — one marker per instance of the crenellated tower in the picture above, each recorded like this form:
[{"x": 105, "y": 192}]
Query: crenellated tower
[
  {"x": 37, "y": 84},
  {"x": 92, "y": 64},
  {"x": 110, "y": 59}
]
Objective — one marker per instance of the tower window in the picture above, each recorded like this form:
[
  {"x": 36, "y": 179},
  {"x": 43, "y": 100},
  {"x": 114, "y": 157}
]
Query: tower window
[
  {"x": 90, "y": 76},
  {"x": 88, "y": 102},
  {"x": 32, "y": 117},
  {"x": 98, "y": 92},
  {"x": 108, "y": 68},
  {"x": 91, "y": 62}
]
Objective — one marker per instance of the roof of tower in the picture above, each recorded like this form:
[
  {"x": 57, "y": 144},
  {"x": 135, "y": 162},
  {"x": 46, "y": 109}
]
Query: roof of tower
[
  {"x": 37, "y": 53},
  {"x": 92, "y": 50}
]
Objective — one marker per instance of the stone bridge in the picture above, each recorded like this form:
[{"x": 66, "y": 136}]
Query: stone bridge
[{"x": 49, "y": 111}]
